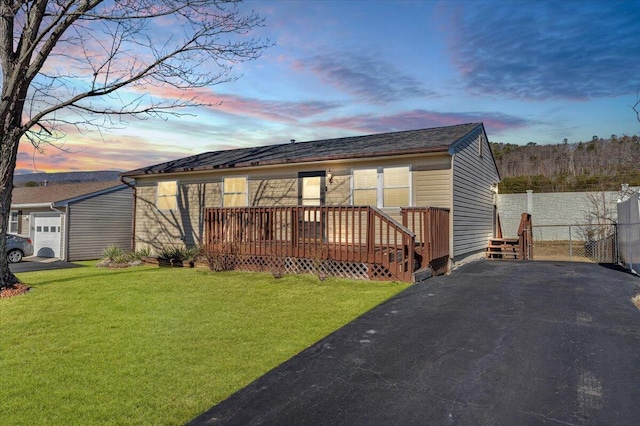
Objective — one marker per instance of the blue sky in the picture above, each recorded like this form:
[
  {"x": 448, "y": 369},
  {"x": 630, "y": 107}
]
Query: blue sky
[{"x": 531, "y": 71}]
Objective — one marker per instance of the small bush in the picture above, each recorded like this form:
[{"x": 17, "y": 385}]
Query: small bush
[
  {"x": 174, "y": 252},
  {"x": 139, "y": 255},
  {"x": 114, "y": 254},
  {"x": 192, "y": 253},
  {"x": 277, "y": 267},
  {"x": 222, "y": 256}
]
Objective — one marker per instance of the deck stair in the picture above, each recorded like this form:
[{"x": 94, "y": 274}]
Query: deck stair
[{"x": 503, "y": 248}]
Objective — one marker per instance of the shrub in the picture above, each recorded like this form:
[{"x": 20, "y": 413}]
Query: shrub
[
  {"x": 192, "y": 253},
  {"x": 139, "y": 255},
  {"x": 222, "y": 256},
  {"x": 115, "y": 254},
  {"x": 277, "y": 267},
  {"x": 173, "y": 252}
]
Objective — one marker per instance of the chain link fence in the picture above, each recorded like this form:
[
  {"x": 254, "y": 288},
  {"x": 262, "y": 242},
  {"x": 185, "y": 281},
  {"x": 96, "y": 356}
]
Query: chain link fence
[{"x": 576, "y": 243}]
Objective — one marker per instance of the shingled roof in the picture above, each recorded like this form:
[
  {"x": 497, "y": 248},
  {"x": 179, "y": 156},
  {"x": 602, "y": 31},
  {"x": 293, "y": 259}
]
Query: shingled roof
[
  {"x": 437, "y": 139},
  {"x": 58, "y": 193}
]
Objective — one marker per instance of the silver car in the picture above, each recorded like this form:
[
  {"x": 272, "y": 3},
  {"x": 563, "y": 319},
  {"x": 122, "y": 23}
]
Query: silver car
[{"x": 18, "y": 247}]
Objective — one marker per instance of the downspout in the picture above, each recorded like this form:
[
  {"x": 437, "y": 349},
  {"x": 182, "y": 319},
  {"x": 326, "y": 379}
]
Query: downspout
[
  {"x": 451, "y": 209},
  {"x": 65, "y": 245},
  {"x": 133, "y": 217}
]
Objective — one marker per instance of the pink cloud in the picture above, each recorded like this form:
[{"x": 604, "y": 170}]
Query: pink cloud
[
  {"x": 279, "y": 111},
  {"x": 84, "y": 153},
  {"x": 420, "y": 119}
]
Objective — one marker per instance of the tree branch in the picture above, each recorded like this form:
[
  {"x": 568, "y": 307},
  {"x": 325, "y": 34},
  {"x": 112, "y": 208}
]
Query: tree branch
[{"x": 106, "y": 49}]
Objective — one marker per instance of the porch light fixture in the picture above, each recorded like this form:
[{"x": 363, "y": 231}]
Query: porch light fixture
[{"x": 330, "y": 176}]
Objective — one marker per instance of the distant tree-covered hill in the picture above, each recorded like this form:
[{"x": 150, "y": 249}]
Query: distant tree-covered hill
[
  {"x": 39, "y": 179},
  {"x": 596, "y": 165}
]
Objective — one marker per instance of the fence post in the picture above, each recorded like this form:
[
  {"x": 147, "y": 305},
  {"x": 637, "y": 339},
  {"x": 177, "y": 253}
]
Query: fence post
[
  {"x": 570, "y": 245},
  {"x": 616, "y": 245}
]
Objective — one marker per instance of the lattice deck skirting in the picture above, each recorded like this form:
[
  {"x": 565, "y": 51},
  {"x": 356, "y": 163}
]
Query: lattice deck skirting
[{"x": 326, "y": 267}]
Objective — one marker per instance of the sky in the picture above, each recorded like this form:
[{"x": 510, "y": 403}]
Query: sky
[{"x": 531, "y": 71}]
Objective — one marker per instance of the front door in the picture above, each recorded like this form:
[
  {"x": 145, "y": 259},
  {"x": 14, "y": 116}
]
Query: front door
[{"x": 311, "y": 192}]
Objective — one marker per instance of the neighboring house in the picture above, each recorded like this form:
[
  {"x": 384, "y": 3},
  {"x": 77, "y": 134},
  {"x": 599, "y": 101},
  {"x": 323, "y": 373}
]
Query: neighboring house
[
  {"x": 73, "y": 221},
  {"x": 450, "y": 167}
]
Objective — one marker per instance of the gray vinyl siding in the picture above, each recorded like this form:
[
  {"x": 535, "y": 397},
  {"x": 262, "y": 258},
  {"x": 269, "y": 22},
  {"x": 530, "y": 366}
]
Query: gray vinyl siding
[
  {"x": 98, "y": 222},
  {"x": 473, "y": 199}
]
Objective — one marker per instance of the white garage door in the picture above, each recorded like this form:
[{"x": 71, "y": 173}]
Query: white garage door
[{"x": 46, "y": 236}]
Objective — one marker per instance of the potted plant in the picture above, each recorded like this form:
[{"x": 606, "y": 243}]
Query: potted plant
[
  {"x": 171, "y": 256},
  {"x": 191, "y": 254}
]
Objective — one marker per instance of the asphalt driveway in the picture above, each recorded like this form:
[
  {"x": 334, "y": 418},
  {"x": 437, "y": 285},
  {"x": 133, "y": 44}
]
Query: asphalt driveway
[
  {"x": 495, "y": 343},
  {"x": 34, "y": 263}
]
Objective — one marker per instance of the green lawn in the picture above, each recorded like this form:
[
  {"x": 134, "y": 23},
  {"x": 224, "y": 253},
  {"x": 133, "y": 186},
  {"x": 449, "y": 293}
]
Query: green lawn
[{"x": 157, "y": 346}]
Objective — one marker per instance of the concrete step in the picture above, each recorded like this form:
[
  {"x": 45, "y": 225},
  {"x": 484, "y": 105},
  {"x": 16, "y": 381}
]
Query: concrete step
[{"x": 422, "y": 275}]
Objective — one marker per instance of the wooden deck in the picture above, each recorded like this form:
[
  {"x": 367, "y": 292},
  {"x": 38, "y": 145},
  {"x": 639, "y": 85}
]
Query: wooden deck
[{"x": 358, "y": 242}]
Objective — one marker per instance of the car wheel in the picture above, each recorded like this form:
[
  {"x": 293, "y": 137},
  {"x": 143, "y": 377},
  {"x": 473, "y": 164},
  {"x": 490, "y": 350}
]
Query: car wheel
[{"x": 14, "y": 256}]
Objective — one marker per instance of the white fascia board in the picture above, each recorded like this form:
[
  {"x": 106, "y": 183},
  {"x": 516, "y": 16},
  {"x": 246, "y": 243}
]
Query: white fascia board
[{"x": 30, "y": 206}]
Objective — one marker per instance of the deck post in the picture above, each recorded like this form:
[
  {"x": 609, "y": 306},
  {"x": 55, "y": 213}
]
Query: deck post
[
  {"x": 294, "y": 232},
  {"x": 371, "y": 237}
]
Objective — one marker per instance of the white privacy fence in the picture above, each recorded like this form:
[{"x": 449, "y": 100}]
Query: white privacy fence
[{"x": 629, "y": 232}]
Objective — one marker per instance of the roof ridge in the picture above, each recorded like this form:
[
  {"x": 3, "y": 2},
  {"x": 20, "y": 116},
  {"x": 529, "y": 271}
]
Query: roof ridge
[{"x": 378, "y": 144}]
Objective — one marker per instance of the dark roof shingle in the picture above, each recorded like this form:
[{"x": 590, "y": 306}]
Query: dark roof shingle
[{"x": 412, "y": 141}]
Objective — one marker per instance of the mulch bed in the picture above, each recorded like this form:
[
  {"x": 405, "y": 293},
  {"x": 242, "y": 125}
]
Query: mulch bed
[{"x": 15, "y": 290}]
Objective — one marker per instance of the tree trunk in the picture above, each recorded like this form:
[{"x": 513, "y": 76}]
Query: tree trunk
[{"x": 8, "y": 156}]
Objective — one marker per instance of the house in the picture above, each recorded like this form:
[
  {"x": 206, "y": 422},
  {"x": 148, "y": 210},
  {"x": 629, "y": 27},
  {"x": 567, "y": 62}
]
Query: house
[
  {"x": 448, "y": 167},
  {"x": 73, "y": 221}
]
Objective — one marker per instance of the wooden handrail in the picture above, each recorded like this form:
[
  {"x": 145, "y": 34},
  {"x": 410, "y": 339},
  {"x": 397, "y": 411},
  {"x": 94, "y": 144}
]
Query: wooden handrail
[
  {"x": 525, "y": 238},
  {"x": 431, "y": 225}
]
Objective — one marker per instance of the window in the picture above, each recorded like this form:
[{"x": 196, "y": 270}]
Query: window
[
  {"x": 480, "y": 145},
  {"x": 396, "y": 187},
  {"x": 365, "y": 187},
  {"x": 234, "y": 192},
  {"x": 311, "y": 190},
  {"x": 167, "y": 195},
  {"x": 382, "y": 187},
  {"x": 14, "y": 222}
]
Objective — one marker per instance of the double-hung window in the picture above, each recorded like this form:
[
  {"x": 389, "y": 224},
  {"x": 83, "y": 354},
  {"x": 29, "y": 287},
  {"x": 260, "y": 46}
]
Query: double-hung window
[
  {"x": 14, "y": 223},
  {"x": 365, "y": 187},
  {"x": 234, "y": 192},
  {"x": 382, "y": 187},
  {"x": 167, "y": 198}
]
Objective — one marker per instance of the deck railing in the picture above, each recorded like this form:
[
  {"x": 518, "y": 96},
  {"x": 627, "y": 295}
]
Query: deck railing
[
  {"x": 431, "y": 226},
  {"x": 525, "y": 238},
  {"x": 328, "y": 235}
]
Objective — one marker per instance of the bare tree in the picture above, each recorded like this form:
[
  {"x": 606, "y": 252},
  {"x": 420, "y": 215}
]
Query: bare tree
[{"x": 70, "y": 65}]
